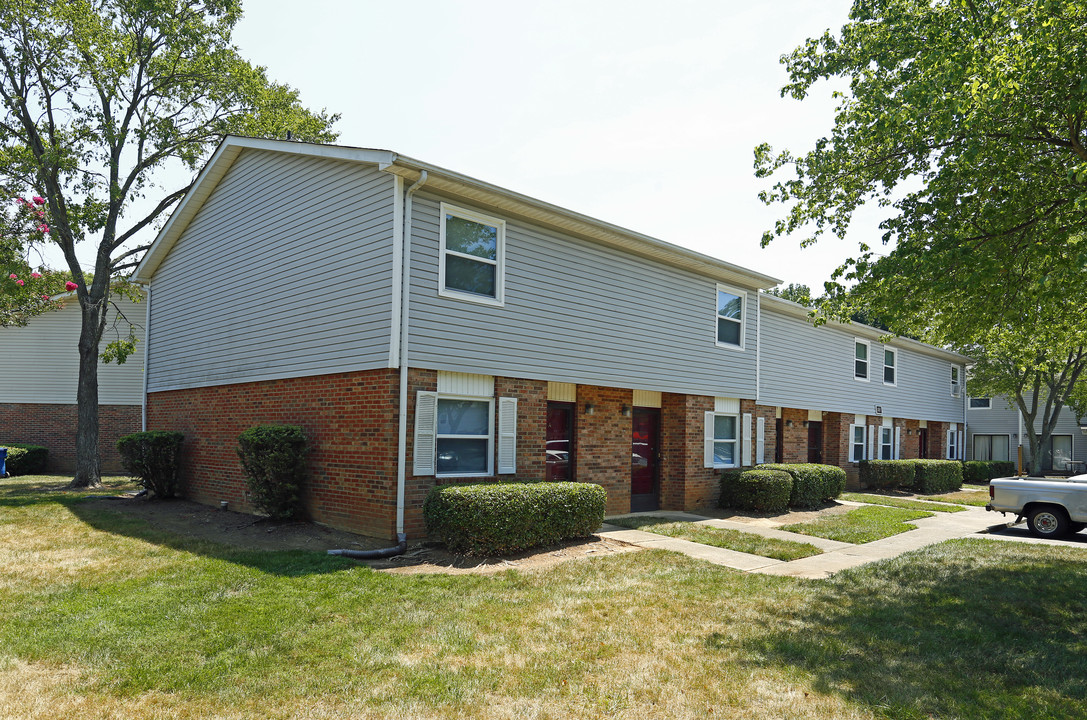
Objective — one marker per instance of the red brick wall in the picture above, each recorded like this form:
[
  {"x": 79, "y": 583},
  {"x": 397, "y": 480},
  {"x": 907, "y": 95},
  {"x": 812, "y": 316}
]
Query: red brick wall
[
  {"x": 795, "y": 449},
  {"x": 350, "y": 423},
  {"x": 603, "y": 443},
  {"x": 769, "y": 415},
  {"x": 937, "y": 440},
  {"x": 685, "y": 483},
  {"x": 910, "y": 448},
  {"x": 54, "y": 426}
]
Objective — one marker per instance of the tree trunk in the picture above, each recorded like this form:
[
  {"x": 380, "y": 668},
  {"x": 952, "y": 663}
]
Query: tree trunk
[{"x": 88, "y": 471}]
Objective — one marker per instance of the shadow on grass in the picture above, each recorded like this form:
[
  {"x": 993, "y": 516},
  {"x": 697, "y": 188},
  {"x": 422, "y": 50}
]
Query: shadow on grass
[
  {"x": 31, "y": 492},
  {"x": 966, "y": 629}
]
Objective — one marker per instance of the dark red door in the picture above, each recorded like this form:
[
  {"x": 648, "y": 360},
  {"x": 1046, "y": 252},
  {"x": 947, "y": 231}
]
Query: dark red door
[
  {"x": 645, "y": 460},
  {"x": 560, "y": 441},
  {"x": 815, "y": 442},
  {"x": 922, "y": 443}
]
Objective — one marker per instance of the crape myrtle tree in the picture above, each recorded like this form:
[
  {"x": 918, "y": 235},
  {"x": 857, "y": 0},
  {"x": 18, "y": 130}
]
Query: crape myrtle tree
[
  {"x": 99, "y": 97},
  {"x": 964, "y": 122},
  {"x": 25, "y": 290}
]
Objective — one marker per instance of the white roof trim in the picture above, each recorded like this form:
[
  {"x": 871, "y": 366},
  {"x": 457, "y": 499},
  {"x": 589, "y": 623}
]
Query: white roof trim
[{"x": 446, "y": 182}]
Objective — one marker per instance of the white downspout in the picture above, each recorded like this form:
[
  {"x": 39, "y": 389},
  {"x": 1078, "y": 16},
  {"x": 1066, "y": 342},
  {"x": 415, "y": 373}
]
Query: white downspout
[
  {"x": 146, "y": 359},
  {"x": 405, "y": 292},
  {"x": 758, "y": 346}
]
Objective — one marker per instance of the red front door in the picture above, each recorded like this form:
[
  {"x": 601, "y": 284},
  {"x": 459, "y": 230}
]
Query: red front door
[
  {"x": 645, "y": 459},
  {"x": 560, "y": 441}
]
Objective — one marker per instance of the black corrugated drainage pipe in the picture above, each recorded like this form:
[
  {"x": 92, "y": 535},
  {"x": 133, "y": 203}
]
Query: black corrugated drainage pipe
[{"x": 398, "y": 549}]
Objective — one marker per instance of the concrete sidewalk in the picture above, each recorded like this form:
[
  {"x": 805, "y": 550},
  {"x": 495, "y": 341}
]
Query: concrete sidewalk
[{"x": 836, "y": 555}]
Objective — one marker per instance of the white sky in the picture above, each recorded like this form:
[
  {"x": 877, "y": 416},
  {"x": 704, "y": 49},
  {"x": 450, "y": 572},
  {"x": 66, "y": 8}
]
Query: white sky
[{"x": 643, "y": 114}]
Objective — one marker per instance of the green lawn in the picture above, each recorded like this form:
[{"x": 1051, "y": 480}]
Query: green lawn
[
  {"x": 102, "y": 616},
  {"x": 964, "y": 497},
  {"x": 862, "y": 525},
  {"x": 721, "y": 537},
  {"x": 901, "y": 502}
]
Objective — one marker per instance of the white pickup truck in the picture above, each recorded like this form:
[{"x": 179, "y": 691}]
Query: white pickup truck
[{"x": 1053, "y": 508}]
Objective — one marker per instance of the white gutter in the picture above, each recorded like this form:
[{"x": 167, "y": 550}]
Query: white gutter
[
  {"x": 758, "y": 346},
  {"x": 405, "y": 292}
]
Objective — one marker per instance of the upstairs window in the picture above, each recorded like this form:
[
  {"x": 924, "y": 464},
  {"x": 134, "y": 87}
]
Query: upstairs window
[
  {"x": 472, "y": 250},
  {"x": 982, "y": 403},
  {"x": 890, "y": 366},
  {"x": 730, "y": 317},
  {"x": 955, "y": 382},
  {"x": 860, "y": 359}
]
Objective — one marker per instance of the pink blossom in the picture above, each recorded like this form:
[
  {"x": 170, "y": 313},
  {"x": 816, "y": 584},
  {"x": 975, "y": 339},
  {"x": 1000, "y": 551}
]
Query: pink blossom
[
  {"x": 39, "y": 200},
  {"x": 70, "y": 285},
  {"x": 43, "y": 228},
  {"x": 35, "y": 275},
  {"x": 20, "y": 201},
  {"x": 20, "y": 283},
  {"x": 41, "y": 213},
  {"x": 13, "y": 276},
  {"x": 45, "y": 297}
]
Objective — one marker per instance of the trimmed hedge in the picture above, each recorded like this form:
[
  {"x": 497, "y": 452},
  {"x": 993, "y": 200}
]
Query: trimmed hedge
[
  {"x": 26, "y": 459},
  {"x": 274, "y": 458},
  {"x": 937, "y": 476},
  {"x": 813, "y": 484},
  {"x": 979, "y": 472},
  {"x": 151, "y": 458},
  {"x": 759, "y": 490},
  {"x": 505, "y": 518},
  {"x": 887, "y": 474}
]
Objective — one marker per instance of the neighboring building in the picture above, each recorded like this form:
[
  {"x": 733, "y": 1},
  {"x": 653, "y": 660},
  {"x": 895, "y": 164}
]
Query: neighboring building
[
  {"x": 39, "y": 370},
  {"x": 994, "y": 426},
  {"x": 295, "y": 282}
]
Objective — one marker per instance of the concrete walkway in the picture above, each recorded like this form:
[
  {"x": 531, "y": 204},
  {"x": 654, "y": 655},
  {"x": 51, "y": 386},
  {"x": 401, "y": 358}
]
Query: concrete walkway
[{"x": 836, "y": 555}]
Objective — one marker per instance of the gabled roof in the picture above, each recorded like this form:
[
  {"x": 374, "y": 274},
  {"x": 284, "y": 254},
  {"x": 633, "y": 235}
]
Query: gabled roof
[
  {"x": 788, "y": 307},
  {"x": 450, "y": 183}
]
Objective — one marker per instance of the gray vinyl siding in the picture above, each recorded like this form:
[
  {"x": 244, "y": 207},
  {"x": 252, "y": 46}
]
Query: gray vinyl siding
[
  {"x": 809, "y": 367},
  {"x": 286, "y": 271},
  {"x": 1003, "y": 419},
  {"x": 39, "y": 363},
  {"x": 576, "y": 312}
]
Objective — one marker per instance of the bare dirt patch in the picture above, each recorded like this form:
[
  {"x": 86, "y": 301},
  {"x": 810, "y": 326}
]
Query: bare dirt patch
[{"x": 250, "y": 532}]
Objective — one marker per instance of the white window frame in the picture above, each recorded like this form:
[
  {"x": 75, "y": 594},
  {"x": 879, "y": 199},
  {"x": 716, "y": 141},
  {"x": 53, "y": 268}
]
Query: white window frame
[
  {"x": 854, "y": 456},
  {"x": 742, "y": 294},
  {"x": 893, "y": 366},
  {"x": 956, "y": 381},
  {"x": 987, "y": 406},
  {"x": 952, "y": 443},
  {"x": 490, "y": 436},
  {"x": 712, "y": 441},
  {"x": 868, "y": 361},
  {"x": 499, "y": 298},
  {"x": 886, "y": 441}
]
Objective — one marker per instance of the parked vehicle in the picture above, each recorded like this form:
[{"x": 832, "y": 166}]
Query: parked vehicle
[{"x": 1052, "y": 508}]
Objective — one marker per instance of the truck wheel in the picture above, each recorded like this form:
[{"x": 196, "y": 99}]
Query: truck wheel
[{"x": 1048, "y": 521}]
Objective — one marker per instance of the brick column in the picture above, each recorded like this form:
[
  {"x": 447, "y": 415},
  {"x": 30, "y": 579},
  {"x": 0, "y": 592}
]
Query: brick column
[
  {"x": 685, "y": 483},
  {"x": 603, "y": 443},
  {"x": 795, "y": 446}
]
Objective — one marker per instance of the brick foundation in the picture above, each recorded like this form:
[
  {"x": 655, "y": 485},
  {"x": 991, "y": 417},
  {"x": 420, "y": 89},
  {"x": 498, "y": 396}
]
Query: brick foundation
[
  {"x": 350, "y": 423},
  {"x": 54, "y": 426}
]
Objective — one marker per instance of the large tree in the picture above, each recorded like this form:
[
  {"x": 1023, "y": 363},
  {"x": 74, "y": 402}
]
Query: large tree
[
  {"x": 99, "y": 97},
  {"x": 965, "y": 121}
]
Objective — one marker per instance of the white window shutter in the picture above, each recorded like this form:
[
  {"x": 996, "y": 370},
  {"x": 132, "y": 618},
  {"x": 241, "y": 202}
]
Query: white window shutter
[
  {"x": 760, "y": 440},
  {"x": 707, "y": 460},
  {"x": 746, "y": 439},
  {"x": 507, "y": 435},
  {"x": 852, "y": 440},
  {"x": 898, "y": 441},
  {"x": 873, "y": 439},
  {"x": 426, "y": 430}
]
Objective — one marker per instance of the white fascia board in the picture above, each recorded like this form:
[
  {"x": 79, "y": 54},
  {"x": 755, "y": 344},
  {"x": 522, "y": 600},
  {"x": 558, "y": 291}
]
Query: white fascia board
[
  {"x": 214, "y": 170},
  {"x": 788, "y": 307}
]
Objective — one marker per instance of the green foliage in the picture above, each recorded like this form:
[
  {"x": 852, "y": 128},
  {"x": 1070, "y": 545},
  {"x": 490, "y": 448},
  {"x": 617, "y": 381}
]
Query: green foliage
[
  {"x": 744, "y": 542},
  {"x": 937, "y": 476},
  {"x": 887, "y": 474},
  {"x": 151, "y": 458},
  {"x": 862, "y": 525},
  {"x": 759, "y": 490},
  {"x": 979, "y": 472},
  {"x": 800, "y": 294},
  {"x": 813, "y": 484},
  {"x": 274, "y": 459},
  {"x": 25, "y": 459},
  {"x": 505, "y": 518}
]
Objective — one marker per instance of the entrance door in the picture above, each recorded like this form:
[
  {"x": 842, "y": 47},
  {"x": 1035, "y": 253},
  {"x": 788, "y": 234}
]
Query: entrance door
[
  {"x": 922, "y": 443},
  {"x": 645, "y": 459},
  {"x": 560, "y": 441},
  {"x": 1058, "y": 454},
  {"x": 815, "y": 442}
]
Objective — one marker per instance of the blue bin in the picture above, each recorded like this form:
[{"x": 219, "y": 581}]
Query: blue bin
[{"x": 3, "y": 462}]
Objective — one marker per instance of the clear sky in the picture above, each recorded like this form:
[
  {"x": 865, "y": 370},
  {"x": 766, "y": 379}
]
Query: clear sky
[{"x": 643, "y": 114}]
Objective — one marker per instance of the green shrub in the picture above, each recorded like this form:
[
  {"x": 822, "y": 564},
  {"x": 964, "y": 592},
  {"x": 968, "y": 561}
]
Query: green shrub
[
  {"x": 728, "y": 487},
  {"x": 979, "y": 472},
  {"x": 887, "y": 474},
  {"x": 25, "y": 459},
  {"x": 937, "y": 476},
  {"x": 151, "y": 458},
  {"x": 813, "y": 484},
  {"x": 505, "y": 518},
  {"x": 274, "y": 458},
  {"x": 759, "y": 490}
]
